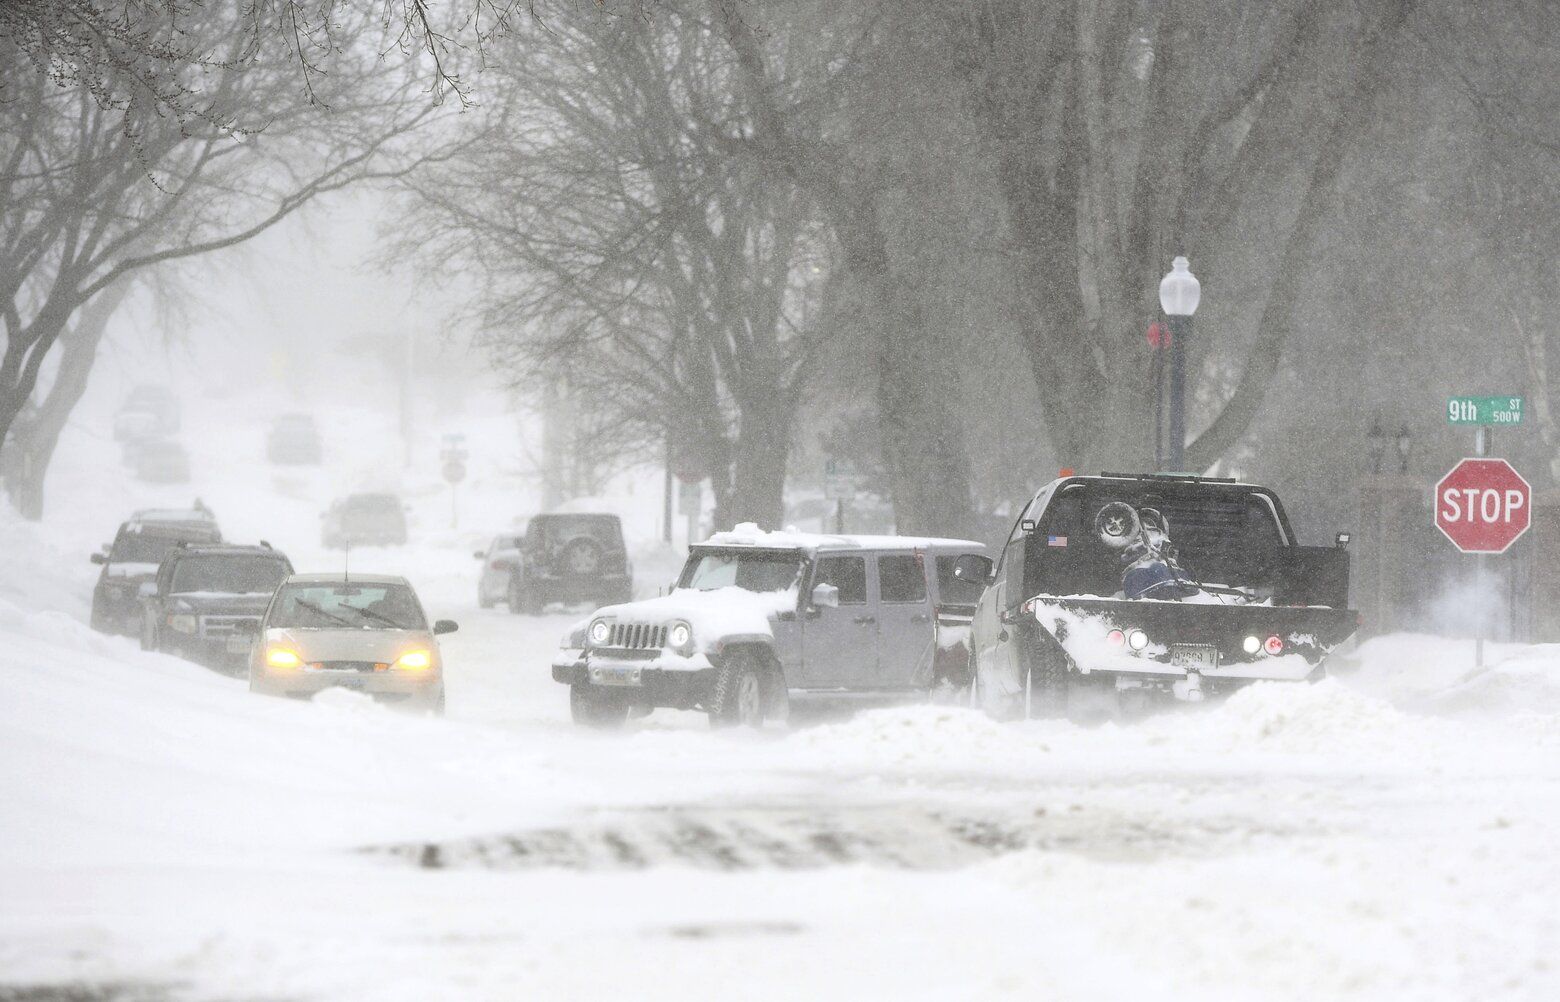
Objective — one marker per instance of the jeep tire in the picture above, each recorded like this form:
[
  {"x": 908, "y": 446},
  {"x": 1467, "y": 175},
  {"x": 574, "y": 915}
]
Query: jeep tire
[
  {"x": 590, "y": 706},
  {"x": 737, "y": 694}
]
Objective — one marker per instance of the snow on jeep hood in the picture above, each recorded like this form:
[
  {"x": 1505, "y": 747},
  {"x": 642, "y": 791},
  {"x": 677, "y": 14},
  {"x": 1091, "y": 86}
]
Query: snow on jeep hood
[{"x": 723, "y": 612}]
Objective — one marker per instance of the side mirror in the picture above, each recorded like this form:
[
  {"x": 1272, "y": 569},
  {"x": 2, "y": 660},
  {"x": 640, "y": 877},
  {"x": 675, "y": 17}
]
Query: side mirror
[
  {"x": 478, "y": 554},
  {"x": 147, "y": 589},
  {"x": 974, "y": 568},
  {"x": 445, "y": 626},
  {"x": 98, "y": 558},
  {"x": 825, "y": 596}
]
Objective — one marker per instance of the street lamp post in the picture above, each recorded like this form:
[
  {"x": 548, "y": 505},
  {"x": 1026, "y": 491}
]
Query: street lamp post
[{"x": 1179, "y": 293}]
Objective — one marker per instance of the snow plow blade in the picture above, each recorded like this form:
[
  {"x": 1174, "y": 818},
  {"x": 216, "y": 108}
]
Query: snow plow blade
[{"x": 1169, "y": 640}]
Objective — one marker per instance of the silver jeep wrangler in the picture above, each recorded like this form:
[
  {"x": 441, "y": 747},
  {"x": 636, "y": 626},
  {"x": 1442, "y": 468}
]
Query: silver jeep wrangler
[{"x": 760, "y": 619}]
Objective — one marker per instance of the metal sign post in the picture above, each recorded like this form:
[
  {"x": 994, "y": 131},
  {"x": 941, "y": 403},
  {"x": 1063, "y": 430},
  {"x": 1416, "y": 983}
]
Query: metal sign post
[
  {"x": 839, "y": 486},
  {"x": 453, "y": 455}
]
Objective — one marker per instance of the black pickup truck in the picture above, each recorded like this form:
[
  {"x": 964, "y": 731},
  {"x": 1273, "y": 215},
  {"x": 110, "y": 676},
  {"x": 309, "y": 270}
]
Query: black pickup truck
[
  {"x": 208, "y": 601},
  {"x": 1116, "y": 590}
]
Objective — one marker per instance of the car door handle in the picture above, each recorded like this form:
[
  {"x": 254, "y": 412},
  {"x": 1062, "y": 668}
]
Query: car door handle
[
  {"x": 863, "y": 620},
  {"x": 919, "y": 617}
]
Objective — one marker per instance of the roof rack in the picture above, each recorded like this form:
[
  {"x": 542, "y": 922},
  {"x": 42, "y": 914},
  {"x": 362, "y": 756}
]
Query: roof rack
[{"x": 1190, "y": 478}]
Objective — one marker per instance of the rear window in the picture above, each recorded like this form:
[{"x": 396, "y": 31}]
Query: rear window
[
  {"x": 952, "y": 590},
  {"x": 240, "y": 574},
  {"x": 550, "y": 530}
]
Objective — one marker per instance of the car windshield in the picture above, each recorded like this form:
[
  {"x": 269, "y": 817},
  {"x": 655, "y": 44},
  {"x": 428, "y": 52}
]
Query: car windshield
[
  {"x": 749, "y": 570},
  {"x": 346, "y": 606},
  {"x": 238, "y": 574},
  {"x": 376, "y": 503},
  {"x": 142, "y": 547}
]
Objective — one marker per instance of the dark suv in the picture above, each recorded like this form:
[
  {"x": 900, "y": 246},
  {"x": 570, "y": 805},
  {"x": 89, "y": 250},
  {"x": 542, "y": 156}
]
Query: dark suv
[
  {"x": 131, "y": 561},
  {"x": 571, "y": 558},
  {"x": 206, "y": 596},
  {"x": 364, "y": 520}
]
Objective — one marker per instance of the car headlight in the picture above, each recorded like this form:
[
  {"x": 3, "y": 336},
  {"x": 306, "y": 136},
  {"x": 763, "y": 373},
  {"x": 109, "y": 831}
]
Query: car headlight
[
  {"x": 680, "y": 637},
  {"x": 599, "y": 633},
  {"x": 281, "y": 657},
  {"x": 414, "y": 660},
  {"x": 182, "y": 623}
]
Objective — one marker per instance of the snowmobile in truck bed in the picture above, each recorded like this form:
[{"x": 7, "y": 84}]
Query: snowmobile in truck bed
[{"x": 1117, "y": 590}]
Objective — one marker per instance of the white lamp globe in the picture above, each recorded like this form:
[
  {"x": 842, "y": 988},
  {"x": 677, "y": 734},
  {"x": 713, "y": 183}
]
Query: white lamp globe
[{"x": 1179, "y": 291}]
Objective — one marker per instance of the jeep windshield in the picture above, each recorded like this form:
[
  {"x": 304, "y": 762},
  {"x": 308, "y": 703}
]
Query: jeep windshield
[
  {"x": 750, "y": 570},
  {"x": 240, "y": 574},
  {"x": 346, "y": 606}
]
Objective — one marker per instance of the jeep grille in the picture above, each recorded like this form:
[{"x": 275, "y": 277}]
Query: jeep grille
[{"x": 637, "y": 636}]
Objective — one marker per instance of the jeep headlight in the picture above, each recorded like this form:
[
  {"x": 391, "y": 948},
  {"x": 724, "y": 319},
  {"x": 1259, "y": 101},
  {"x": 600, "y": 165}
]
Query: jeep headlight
[
  {"x": 182, "y": 623},
  {"x": 680, "y": 638},
  {"x": 599, "y": 633}
]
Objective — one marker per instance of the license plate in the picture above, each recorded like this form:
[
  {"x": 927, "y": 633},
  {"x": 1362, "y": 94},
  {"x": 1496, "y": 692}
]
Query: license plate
[
  {"x": 238, "y": 645},
  {"x": 1198, "y": 656},
  {"x": 609, "y": 675}
]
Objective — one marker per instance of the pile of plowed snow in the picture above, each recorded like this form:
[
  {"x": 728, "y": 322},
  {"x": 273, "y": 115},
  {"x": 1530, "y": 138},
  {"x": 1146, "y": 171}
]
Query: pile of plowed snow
[{"x": 1327, "y": 717}]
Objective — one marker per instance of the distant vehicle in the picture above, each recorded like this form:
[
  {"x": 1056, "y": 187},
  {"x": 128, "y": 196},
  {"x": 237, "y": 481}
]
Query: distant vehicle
[
  {"x": 499, "y": 562},
  {"x": 1120, "y": 589},
  {"x": 761, "y": 619},
  {"x": 368, "y": 634},
  {"x": 132, "y": 559},
  {"x": 147, "y": 412},
  {"x": 293, "y": 440},
  {"x": 203, "y": 597},
  {"x": 566, "y": 557},
  {"x": 161, "y": 461},
  {"x": 365, "y": 520}
]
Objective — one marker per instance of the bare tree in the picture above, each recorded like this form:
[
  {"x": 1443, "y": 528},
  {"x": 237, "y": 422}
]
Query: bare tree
[
  {"x": 621, "y": 249},
  {"x": 92, "y": 194},
  {"x": 1127, "y": 133}
]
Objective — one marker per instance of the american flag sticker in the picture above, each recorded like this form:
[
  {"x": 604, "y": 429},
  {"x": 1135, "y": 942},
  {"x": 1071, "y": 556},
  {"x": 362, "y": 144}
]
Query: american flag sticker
[{"x": 1056, "y": 540}]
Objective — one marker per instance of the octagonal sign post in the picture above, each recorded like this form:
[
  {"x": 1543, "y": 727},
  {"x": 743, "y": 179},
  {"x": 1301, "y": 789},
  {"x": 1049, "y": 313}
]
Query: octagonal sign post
[{"x": 1483, "y": 505}]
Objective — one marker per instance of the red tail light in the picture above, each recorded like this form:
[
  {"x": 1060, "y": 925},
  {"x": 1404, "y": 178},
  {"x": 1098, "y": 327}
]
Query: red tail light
[
  {"x": 1274, "y": 645},
  {"x": 1116, "y": 638}
]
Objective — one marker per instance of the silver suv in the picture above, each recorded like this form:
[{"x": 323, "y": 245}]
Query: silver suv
[{"x": 759, "y": 619}]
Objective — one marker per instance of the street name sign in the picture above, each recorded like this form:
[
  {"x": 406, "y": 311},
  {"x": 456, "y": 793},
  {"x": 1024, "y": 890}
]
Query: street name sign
[
  {"x": 1484, "y": 410},
  {"x": 1483, "y": 505}
]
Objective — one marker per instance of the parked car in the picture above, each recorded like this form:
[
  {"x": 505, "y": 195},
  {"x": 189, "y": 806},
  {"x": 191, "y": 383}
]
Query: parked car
[
  {"x": 147, "y": 412},
  {"x": 161, "y": 461},
  {"x": 365, "y": 520},
  {"x": 205, "y": 600},
  {"x": 499, "y": 562},
  {"x": 568, "y": 557},
  {"x": 367, "y": 633},
  {"x": 131, "y": 561},
  {"x": 1118, "y": 590},
  {"x": 294, "y": 440},
  {"x": 758, "y": 620}
]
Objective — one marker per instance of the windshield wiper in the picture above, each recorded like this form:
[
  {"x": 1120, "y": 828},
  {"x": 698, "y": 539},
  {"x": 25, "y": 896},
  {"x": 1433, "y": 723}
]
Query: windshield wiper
[{"x": 330, "y": 616}]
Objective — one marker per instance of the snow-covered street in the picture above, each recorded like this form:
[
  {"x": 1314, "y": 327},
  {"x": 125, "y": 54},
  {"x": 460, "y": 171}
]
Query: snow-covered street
[{"x": 1387, "y": 833}]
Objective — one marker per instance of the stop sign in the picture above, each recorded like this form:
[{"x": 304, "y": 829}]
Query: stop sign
[{"x": 1483, "y": 505}]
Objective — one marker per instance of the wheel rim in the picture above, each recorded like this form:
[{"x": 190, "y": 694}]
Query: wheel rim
[{"x": 750, "y": 706}]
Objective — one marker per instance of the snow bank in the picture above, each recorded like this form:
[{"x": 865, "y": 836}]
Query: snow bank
[
  {"x": 938, "y": 738},
  {"x": 1325, "y": 718}
]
